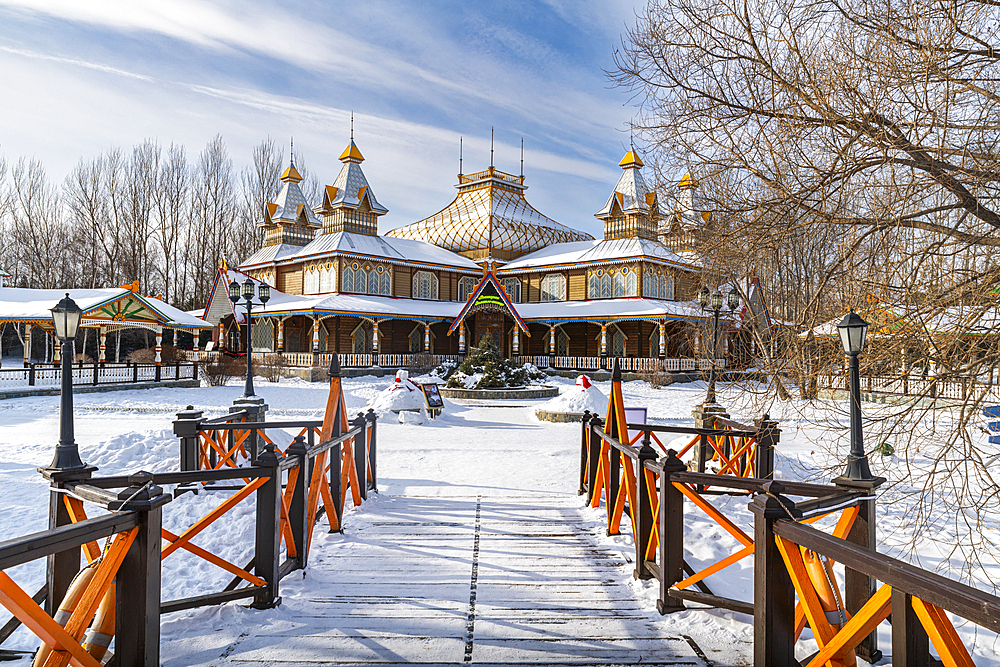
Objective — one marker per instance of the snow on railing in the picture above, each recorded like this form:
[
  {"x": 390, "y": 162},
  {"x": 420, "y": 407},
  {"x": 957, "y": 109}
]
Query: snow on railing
[
  {"x": 37, "y": 375},
  {"x": 955, "y": 388},
  {"x": 627, "y": 364}
]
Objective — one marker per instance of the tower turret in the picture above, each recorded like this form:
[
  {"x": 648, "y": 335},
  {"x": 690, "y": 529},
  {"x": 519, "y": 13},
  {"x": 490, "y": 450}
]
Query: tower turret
[
  {"x": 349, "y": 205},
  {"x": 631, "y": 210},
  {"x": 289, "y": 219}
]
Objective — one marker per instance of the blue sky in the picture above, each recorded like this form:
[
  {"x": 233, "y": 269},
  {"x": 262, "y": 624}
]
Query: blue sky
[{"x": 80, "y": 76}]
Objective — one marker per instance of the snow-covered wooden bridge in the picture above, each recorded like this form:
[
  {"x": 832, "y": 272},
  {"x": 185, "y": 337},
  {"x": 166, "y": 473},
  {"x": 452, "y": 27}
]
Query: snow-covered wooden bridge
[{"x": 488, "y": 579}]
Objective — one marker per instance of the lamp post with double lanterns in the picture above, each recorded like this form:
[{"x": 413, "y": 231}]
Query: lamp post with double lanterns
[
  {"x": 66, "y": 318},
  {"x": 705, "y": 299},
  {"x": 246, "y": 293}
]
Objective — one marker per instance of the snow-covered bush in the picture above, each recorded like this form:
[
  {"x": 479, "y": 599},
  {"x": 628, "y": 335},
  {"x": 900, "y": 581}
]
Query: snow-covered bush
[
  {"x": 484, "y": 368},
  {"x": 444, "y": 370}
]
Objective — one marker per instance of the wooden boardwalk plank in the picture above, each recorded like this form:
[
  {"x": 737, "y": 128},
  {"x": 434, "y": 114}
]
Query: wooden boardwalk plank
[{"x": 399, "y": 589}]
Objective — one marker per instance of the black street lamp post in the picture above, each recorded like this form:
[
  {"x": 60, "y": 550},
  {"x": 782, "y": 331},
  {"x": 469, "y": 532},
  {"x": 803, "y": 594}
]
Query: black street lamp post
[
  {"x": 704, "y": 299},
  {"x": 66, "y": 317},
  {"x": 853, "y": 330},
  {"x": 247, "y": 294}
]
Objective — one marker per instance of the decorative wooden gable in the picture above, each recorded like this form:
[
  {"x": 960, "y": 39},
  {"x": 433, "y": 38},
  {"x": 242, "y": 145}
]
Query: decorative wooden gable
[
  {"x": 128, "y": 308},
  {"x": 489, "y": 294}
]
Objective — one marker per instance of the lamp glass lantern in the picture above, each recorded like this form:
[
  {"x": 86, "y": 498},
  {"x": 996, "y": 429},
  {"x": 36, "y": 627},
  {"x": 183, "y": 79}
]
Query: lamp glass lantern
[
  {"x": 234, "y": 291},
  {"x": 66, "y": 318},
  {"x": 264, "y": 292},
  {"x": 703, "y": 297},
  {"x": 733, "y": 298},
  {"x": 853, "y": 330},
  {"x": 248, "y": 288},
  {"x": 716, "y": 300}
]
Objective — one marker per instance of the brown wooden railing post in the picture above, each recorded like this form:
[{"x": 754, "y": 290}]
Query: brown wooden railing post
[
  {"x": 360, "y": 456},
  {"x": 372, "y": 418},
  {"x": 594, "y": 445},
  {"x": 859, "y": 587},
  {"x": 96, "y": 373},
  {"x": 336, "y": 456},
  {"x": 644, "y": 522},
  {"x": 268, "y": 536},
  {"x": 137, "y": 602},
  {"x": 767, "y": 438},
  {"x": 584, "y": 452},
  {"x": 31, "y": 374},
  {"x": 671, "y": 534},
  {"x": 910, "y": 645},
  {"x": 61, "y": 568},
  {"x": 298, "y": 508},
  {"x": 702, "y": 453},
  {"x": 773, "y": 593},
  {"x": 135, "y": 373},
  {"x": 186, "y": 427}
]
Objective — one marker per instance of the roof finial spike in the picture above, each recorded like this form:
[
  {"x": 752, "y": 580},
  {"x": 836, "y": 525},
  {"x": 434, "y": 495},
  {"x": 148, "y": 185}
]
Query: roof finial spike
[
  {"x": 291, "y": 151},
  {"x": 352, "y": 125},
  {"x": 491, "y": 148},
  {"x": 460, "y": 155},
  {"x": 522, "y": 158}
]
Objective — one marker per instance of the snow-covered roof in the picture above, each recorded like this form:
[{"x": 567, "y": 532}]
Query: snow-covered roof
[
  {"x": 4, "y": 274},
  {"x": 351, "y": 186},
  {"x": 609, "y": 309},
  {"x": 490, "y": 213},
  {"x": 597, "y": 253},
  {"x": 98, "y": 305},
  {"x": 271, "y": 254},
  {"x": 631, "y": 191},
  {"x": 406, "y": 252},
  {"x": 290, "y": 206}
]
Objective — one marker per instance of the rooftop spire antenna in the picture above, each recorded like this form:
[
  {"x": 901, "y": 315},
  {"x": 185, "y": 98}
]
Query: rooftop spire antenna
[
  {"x": 491, "y": 147},
  {"x": 291, "y": 151},
  {"x": 352, "y": 125},
  {"x": 522, "y": 157}
]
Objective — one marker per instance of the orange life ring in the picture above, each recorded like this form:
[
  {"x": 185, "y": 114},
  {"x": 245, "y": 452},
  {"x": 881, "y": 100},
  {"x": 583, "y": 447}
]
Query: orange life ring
[
  {"x": 102, "y": 630},
  {"x": 72, "y": 598},
  {"x": 820, "y": 571}
]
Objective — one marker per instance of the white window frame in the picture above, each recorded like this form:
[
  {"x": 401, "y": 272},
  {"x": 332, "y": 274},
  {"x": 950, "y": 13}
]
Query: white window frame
[
  {"x": 515, "y": 293},
  {"x": 552, "y": 287},
  {"x": 422, "y": 279}
]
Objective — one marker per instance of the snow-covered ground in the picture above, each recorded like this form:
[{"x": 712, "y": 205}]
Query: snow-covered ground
[{"x": 470, "y": 449}]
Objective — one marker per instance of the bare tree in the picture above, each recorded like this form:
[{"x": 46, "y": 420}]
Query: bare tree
[
  {"x": 214, "y": 212},
  {"x": 173, "y": 203},
  {"x": 259, "y": 183},
  {"x": 38, "y": 231}
]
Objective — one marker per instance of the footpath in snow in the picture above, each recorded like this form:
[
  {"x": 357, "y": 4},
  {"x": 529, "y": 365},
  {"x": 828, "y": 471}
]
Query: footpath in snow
[{"x": 397, "y": 585}]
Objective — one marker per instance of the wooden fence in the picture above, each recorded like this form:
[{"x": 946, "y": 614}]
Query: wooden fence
[
  {"x": 626, "y": 364},
  {"x": 652, "y": 487},
  {"x": 958, "y": 388},
  {"x": 43, "y": 375},
  {"x": 230, "y": 456}
]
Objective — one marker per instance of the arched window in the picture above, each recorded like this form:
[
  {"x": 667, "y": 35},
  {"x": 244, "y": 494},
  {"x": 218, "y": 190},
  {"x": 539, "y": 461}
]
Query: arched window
[
  {"x": 651, "y": 284},
  {"x": 465, "y": 287},
  {"x": 310, "y": 279},
  {"x": 385, "y": 281},
  {"x": 425, "y": 285},
  {"x": 513, "y": 288},
  {"x": 347, "y": 284},
  {"x": 619, "y": 284},
  {"x": 594, "y": 286},
  {"x": 654, "y": 342},
  {"x": 617, "y": 343},
  {"x": 327, "y": 278},
  {"x": 667, "y": 288},
  {"x": 631, "y": 285},
  {"x": 553, "y": 287},
  {"x": 605, "y": 284},
  {"x": 362, "y": 339}
]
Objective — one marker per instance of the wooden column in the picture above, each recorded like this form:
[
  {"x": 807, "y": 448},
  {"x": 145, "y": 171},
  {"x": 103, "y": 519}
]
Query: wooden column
[
  {"x": 773, "y": 593},
  {"x": 671, "y": 534},
  {"x": 461, "y": 337},
  {"x": 103, "y": 346},
  {"x": 427, "y": 338},
  {"x": 604, "y": 340},
  {"x": 57, "y": 353},
  {"x": 281, "y": 335},
  {"x": 159, "y": 345},
  {"x": 663, "y": 340},
  {"x": 315, "y": 335},
  {"x": 516, "y": 342},
  {"x": 552, "y": 339},
  {"x": 910, "y": 645},
  {"x": 27, "y": 344},
  {"x": 375, "y": 340}
]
